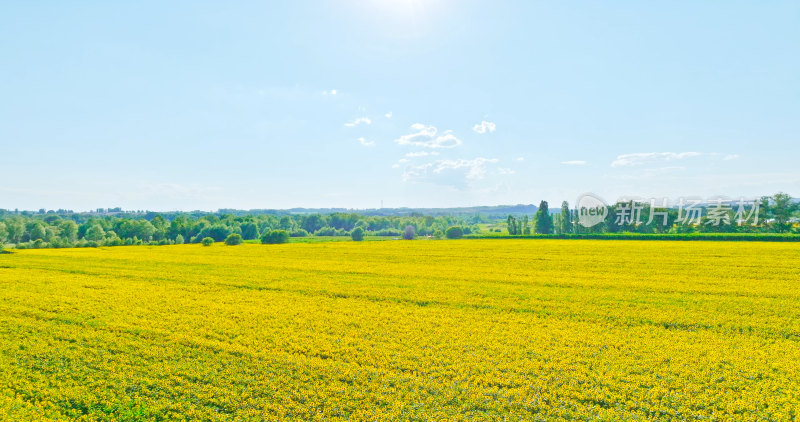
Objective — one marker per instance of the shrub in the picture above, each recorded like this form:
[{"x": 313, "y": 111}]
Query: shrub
[
  {"x": 388, "y": 232},
  {"x": 409, "y": 233},
  {"x": 357, "y": 234},
  {"x": 437, "y": 234},
  {"x": 179, "y": 239},
  {"x": 218, "y": 232},
  {"x": 454, "y": 232},
  {"x": 273, "y": 237},
  {"x": 207, "y": 241},
  {"x": 234, "y": 239},
  {"x": 325, "y": 231},
  {"x": 298, "y": 233}
]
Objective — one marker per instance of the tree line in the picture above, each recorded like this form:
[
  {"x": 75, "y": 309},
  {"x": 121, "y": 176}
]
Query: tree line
[
  {"x": 775, "y": 214},
  {"x": 67, "y": 229}
]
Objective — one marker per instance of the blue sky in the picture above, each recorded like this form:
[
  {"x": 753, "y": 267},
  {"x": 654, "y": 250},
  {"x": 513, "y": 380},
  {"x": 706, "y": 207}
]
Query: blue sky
[{"x": 206, "y": 105}]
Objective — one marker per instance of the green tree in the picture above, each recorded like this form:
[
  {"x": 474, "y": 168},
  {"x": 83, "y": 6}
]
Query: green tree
[
  {"x": 454, "y": 232},
  {"x": 273, "y": 237},
  {"x": 249, "y": 231},
  {"x": 38, "y": 232},
  {"x": 357, "y": 234},
  {"x": 565, "y": 222},
  {"x": 69, "y": 230},
  {"x": 218, "y": 232},
  {"x": 511, "y": 222},
  {"x": 313, "y": 222},
  {"x": 179, "y": 240},
  {"x": 782, "y": 208},
  {"x": 95, "y": 233},
  {"x": 3, "y": 233},
  {"x": 234, "y": 239},
  {"x": 207, "y": 241},
  {"x": 544, "y": 221},
  {"x": 16, "y": 229}
]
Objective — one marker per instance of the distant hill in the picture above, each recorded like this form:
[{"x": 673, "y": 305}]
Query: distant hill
[{"x": 489, "y": 211}]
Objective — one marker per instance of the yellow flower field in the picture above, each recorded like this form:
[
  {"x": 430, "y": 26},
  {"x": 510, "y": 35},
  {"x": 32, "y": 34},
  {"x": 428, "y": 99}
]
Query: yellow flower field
[{"x": 419, "y": 330}]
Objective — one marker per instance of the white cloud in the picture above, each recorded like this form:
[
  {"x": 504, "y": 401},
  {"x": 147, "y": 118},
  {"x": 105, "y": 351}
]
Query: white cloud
[
  {"x": 388, "y": 115},
  {"x": 574, "y": 162},
  {"x": 520, "y": 158},
  {"x": 365, "y": 142},
  {"x": 358, "y": 121},
  {"x": 658, "y": 158},
  {"x": 427, "y": 136},
  {"x": 642, "y": 158},
  {"x": 484, "y": 127},
  {"x": 503, "y": 170},
  {"x": 331, "y": 92},
  {"x": 421, "y": 153},
  {"x": 452, "y": 172}
]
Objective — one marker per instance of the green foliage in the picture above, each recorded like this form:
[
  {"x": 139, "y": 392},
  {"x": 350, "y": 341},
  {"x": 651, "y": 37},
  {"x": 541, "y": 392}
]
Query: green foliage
[
  {"x": 544, "y": 222},
  {"x": 62, "y": 229},
  {"x": 207, "y": 241},
  {"x": 565, "y": 220},
  {"x": 38, "y": 232},
  {"x": 781, "y": 207},
  {"x": 218, "y": 232},
  {"x": 249, "y": 231},
  {"x": 454, "y": 232},
  {"x": 234, "y": 239},
  {"x": 357, "y": 234},
  {"x": 516, "y": 226},
  {"x": 330, "y": 231},
  {"x": 95, "y": 233},
  {"x": 299, "y": 233},
  {"x": 273, "y": 237},
  {"x": 69, "y": 230}
]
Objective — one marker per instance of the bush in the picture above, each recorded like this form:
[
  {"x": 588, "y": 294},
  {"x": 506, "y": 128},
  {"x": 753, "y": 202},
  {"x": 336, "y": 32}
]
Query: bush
[
  {"x": 218, "y": 232},
  {"x": 234, "y": 239},
  {"x": 298, "y": 233},
  {"x": 179, "y": 239},
  {"x": 207, "y": 241},
  {"x": 325, "y": 231},
  {"x": 409, "y": 233},
  {"x": 357, "y": 234},
  {"x": 274, "y": 237},
  {"x": 437, "y": 234},
  {"x": 454, "y": 232},
  {"x": 388, "y": 232}
]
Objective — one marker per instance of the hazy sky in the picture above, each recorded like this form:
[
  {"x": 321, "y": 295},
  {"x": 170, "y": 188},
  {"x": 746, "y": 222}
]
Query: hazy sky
[{"x": 206, "y": 105}]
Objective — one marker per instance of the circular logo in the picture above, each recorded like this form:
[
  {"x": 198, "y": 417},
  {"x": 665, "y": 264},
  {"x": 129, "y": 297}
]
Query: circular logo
[{"x": 592, "y": 210}]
